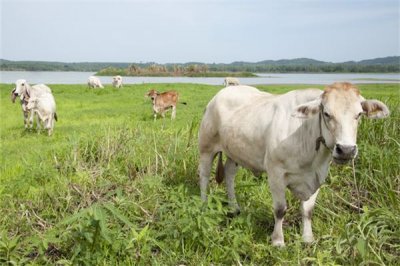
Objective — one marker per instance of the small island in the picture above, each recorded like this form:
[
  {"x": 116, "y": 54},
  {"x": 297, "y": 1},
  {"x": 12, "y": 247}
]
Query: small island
[{"x": 157, "y": 70}]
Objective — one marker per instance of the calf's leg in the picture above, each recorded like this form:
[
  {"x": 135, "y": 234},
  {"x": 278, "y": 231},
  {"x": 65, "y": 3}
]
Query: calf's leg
[
  {"x": 32, "y": 117},
  {"x": 49, "y": 125},
  {"x": 173, "y": 114}
]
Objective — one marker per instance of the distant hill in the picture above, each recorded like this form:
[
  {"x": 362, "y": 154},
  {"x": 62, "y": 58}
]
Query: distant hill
[
  {"x": 293, "y": 62},
  {"x": 56, "y": 66},
  {"x": 390, "y": 60},
  {"x": 384, "y": 64}
]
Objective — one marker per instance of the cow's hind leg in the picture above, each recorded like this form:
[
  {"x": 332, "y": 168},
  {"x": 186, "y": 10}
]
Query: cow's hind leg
[
  {"x": 205, "y": 165},
  {"x": 306, "y": 211},
  {"x": 277, "y": 188},
  {"x": 230, "y": 172}
]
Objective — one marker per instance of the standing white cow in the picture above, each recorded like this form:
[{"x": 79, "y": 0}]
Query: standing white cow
[
  {"x": 230, "y": 81},
  {"x": 117, "y": 82},
  {"x": 25, "y": 91},
  {"x": 293, "y": 137},
  {"x": 94, "y": 82}
]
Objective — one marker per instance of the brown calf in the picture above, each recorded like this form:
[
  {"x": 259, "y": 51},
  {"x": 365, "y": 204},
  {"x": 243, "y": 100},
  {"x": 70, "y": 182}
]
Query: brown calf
[{"x": 163, "y": 101}]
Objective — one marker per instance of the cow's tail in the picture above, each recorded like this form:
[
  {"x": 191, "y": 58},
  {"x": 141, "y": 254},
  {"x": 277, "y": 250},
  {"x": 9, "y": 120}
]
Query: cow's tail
[
  {"x": 55, "y": 116},
  {"x": 219, "y": 173}
]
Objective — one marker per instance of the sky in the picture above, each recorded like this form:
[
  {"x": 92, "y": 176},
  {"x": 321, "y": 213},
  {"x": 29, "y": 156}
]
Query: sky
[{"x": 209, "y": 31}]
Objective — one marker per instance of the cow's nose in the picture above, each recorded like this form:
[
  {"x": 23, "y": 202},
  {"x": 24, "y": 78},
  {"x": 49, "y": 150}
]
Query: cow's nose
[{"x": 346, "y": 150}]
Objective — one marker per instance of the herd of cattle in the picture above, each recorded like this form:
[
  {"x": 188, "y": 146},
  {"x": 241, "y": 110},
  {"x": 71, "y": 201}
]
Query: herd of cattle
[
  {"x": 94, "y": 82},
  {"x": 39, "y": 100},
  {"x": 293, "y": 137}
]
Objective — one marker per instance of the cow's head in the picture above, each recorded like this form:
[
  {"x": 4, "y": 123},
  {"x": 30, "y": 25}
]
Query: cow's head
[
  {"x": 339, "y": 108},
  {"x": 19, "y": 90}
]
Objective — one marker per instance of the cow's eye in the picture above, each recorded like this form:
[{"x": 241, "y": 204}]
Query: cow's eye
[
  {"x": 328, "y": 116},
  {"x": 359, "y": 115}
]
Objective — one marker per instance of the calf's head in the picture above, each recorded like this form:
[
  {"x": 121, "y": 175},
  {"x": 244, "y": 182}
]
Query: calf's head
[
  {"x": 340, "y": 108},
  {"x": 32, "y": 103},
  {"x": 152, "y": 94}
]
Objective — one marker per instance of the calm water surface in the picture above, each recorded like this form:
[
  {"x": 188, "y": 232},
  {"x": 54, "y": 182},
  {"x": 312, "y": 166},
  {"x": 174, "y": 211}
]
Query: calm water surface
[{"x": 267, "y": 78}]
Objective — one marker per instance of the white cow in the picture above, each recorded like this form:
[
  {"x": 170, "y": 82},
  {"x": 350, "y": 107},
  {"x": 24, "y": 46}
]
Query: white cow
[
  {"x": 25, "y": 91},
  {"x": 293, "y": 137},
  {"x": 229, "y": 81},
  {"x": 45, "y": 107},
  {"x": 117, "y": 82},
  {"x": 94, "y": 82}
]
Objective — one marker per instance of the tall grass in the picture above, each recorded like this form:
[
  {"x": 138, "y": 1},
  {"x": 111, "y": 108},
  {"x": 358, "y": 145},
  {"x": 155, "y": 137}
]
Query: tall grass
[{"x": 114, "y": 187}]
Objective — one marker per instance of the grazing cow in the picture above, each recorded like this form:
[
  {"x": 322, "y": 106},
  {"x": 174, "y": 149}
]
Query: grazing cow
[
  {"x": 94, "y": 82},
  {"x": 25, "y": 91},
  {"x": 117, "y": 82},
  {"x": 229, "y": 81},
  {"x": 45, "y": 107},
  {"x": 293, "y": 137},
  {"x": 163, "y": 101}
]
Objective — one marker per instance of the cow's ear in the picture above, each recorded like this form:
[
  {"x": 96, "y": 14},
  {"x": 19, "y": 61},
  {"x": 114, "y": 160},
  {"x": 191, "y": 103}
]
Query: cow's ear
[
  {"x": 375, "y": 109},
  {"x": 307, "y": 110}
]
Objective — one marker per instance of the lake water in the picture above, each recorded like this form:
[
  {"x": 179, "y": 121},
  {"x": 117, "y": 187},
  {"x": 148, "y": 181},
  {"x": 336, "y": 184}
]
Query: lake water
[{"x": 267, "y": 78}]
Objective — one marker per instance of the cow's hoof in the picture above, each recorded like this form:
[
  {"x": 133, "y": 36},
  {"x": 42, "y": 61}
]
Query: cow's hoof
[
  {"x": 277, "y": 240},
  {"x": 278, "y": 243},
  {"x": 234, "y": 213},
  {"x": 308, "y": 239}
]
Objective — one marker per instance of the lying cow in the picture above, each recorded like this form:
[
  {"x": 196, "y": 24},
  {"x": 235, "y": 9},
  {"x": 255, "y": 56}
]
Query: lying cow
[
  {"x": 45, "y": 107},
  {"x": 229, "y": 81},
  {"x": 293, "y": 137},
  {"x": 94, "y": 82},
  {"x": 117, "y": 82},
  {"x": 163, "y": 101},
  {"x": 24, "y": 91}
]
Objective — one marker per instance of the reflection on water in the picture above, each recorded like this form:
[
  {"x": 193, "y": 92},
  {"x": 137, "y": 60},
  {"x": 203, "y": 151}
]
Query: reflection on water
[{"x": 267, "y": 78}]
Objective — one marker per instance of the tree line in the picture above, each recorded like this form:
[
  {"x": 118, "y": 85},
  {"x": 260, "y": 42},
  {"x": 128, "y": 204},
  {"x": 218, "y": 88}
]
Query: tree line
[{"x": 298, "y": 65}]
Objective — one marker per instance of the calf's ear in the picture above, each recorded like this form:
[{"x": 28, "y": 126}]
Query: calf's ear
[
  {"x": 375, "y": 109},
  {"x": 307, "y": 110}
]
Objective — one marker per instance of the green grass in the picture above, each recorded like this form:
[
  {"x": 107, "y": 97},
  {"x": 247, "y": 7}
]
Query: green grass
[{"x": 113, "y": 187}]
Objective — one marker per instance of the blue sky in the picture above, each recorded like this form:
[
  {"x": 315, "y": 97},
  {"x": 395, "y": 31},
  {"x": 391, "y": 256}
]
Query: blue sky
[{"x": 177, "y": 31}]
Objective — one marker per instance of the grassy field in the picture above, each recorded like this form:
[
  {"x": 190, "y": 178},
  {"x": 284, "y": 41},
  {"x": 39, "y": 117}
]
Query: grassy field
[{"x": 113, "y": 187}]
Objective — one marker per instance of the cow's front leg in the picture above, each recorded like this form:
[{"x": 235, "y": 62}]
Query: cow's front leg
[
  {"x": 38, "y": 122},
  {"x": 306, "y": 211},
  {"x": 279, "y": 200},
  {"x": 26, "y": 119}
]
